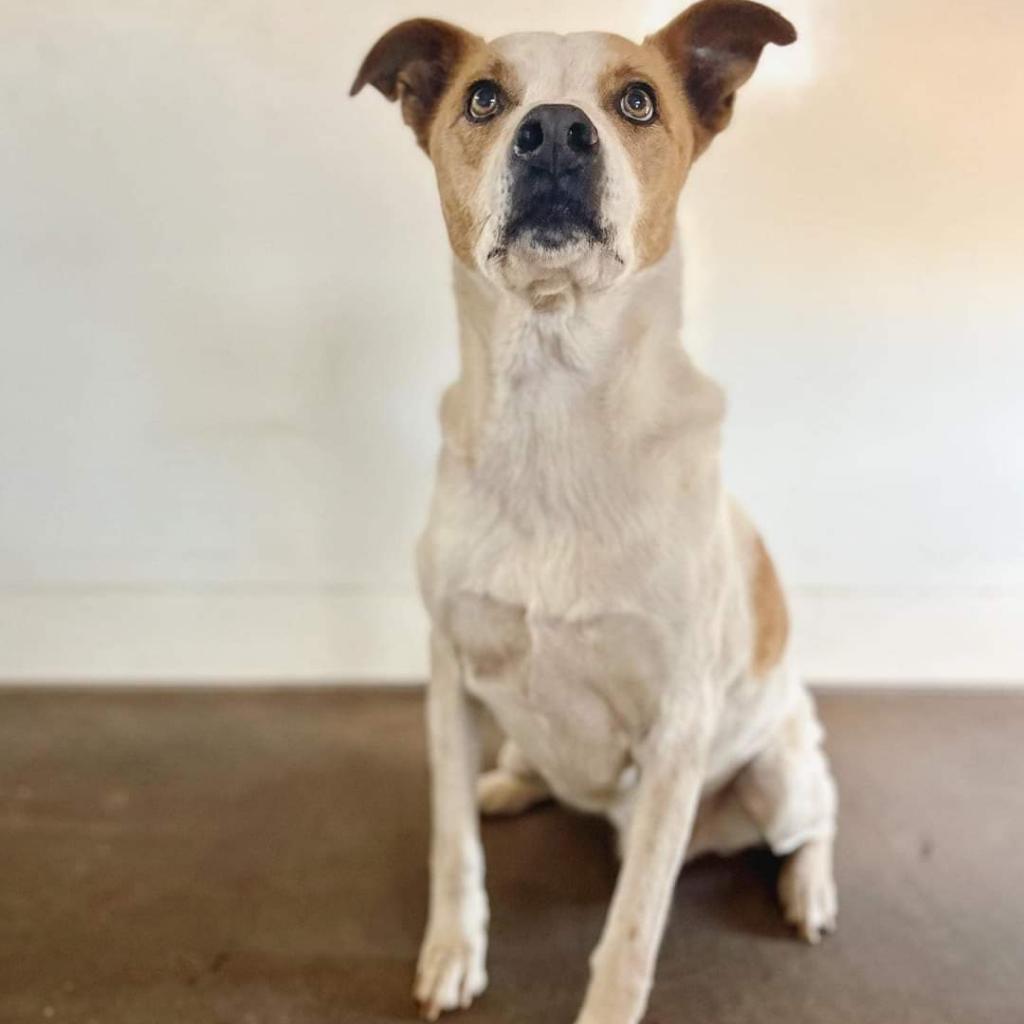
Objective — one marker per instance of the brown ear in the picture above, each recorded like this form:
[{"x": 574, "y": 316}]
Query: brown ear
[
  {"x": 715, "y": 46},
  {"x": 414, "y": 63}
]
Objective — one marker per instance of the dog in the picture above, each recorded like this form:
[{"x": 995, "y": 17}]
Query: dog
[{"x": 588, "y": 580}]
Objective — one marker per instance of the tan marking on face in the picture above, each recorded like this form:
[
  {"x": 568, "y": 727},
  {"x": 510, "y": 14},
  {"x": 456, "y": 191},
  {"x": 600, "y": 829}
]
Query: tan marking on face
[
  {"x": 660, "y": 152},
  {"x": 459, "y": 147},
  {"x": 771, "y": 619}
]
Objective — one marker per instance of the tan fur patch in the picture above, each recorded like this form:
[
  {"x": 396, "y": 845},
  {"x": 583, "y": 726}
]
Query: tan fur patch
[
  {"x": 459, "y": 148},
  {"x": 770, "y": 617},
  {"x": 660, "y": 152}
]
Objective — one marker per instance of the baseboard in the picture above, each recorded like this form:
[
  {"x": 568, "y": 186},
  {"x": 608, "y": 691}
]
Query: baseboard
[
  {"x": 124, "y": 635},
  {"x": 910, "y": 637}
]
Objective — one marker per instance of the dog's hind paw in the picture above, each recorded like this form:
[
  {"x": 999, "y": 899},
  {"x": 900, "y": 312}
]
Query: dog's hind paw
[
  {"x": 807, "y": 890},
  {"x": 450, "y": 973},
  {"x": 501, "y": 792}
]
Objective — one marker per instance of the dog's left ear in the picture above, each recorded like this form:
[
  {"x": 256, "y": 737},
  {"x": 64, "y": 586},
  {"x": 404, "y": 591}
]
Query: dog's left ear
[
  {"x": 414, "y": 63},
  {"x": 714, "y": 46}
]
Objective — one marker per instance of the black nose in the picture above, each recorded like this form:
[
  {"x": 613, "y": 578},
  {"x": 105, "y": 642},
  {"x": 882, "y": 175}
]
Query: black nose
[{"x": 556, "y": 138}]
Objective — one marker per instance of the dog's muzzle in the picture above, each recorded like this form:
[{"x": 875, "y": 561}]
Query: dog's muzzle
[{"x": 556, "y": 169}]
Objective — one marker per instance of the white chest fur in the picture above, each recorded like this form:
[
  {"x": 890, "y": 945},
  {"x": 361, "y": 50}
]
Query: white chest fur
[
  {"x": 577, "y": 695},
  {"x": 576, "y": 523}
]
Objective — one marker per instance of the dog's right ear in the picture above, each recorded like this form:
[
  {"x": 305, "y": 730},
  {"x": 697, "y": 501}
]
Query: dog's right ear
[{"x": 414, "y": 63}]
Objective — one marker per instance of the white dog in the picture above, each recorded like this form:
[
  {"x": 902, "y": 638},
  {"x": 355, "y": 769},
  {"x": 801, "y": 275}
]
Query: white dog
[{"x": 587, "y": 577}]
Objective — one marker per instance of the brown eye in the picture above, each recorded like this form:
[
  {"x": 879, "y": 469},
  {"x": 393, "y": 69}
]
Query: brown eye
[
  {"x": 637, "y": 103},
  {"x": 484, "y": 101}
]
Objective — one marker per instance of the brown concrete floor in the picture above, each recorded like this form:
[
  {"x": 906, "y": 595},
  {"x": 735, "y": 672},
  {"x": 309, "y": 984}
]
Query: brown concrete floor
[{"x": 259, "y": 858}]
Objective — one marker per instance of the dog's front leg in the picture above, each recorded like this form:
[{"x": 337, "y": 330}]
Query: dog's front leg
[
  {"x": 672, "y": 764},
  {"x": 451, "y": 964}
]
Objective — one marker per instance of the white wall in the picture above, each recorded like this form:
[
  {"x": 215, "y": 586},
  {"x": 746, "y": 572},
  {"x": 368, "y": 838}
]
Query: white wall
[{"x": 224, "y": 325}]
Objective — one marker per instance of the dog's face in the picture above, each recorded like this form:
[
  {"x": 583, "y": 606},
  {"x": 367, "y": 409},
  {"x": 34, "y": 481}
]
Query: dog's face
[{"x": 560, "y": 159}]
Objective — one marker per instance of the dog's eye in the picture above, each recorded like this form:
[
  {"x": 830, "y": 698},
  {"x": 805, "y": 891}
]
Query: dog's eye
[
  {"x": 637, "y": 103},
  {"x": 484, "y": 101}
]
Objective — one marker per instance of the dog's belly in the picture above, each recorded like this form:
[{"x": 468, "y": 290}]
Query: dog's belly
[{"x": 576, "y": 695}]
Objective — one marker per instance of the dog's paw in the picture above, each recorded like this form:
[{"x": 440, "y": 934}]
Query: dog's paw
[
  {"x": 451, "y": 972},
  {"x": 500, "y": 792},
  {"x": 807, "y": 890}
]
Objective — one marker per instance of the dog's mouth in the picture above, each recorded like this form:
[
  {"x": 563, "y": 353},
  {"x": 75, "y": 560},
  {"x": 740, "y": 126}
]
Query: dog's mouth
[
  {"x": 554, "y": 238},
  {"x": 552, "y": 221}
]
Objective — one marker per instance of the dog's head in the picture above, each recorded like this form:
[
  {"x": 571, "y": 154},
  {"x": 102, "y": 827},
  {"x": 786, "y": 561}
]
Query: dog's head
[{"x": 561, "y": 158}]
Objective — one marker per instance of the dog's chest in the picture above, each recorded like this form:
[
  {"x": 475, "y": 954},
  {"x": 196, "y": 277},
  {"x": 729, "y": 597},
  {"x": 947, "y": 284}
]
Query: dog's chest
[
  {"x": 575, "y": 694},
  {"x": 557, "y": 565}
]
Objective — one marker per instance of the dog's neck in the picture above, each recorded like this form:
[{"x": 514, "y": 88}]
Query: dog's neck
[{"x": 609, "y": 364}]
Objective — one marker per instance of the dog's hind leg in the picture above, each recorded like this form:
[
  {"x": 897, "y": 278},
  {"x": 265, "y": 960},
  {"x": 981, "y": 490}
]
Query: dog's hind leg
[
  {"x": 723, "y": 826},
  {"x": 789, "y": 792},
  {"x": 512, "y": 787}
]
